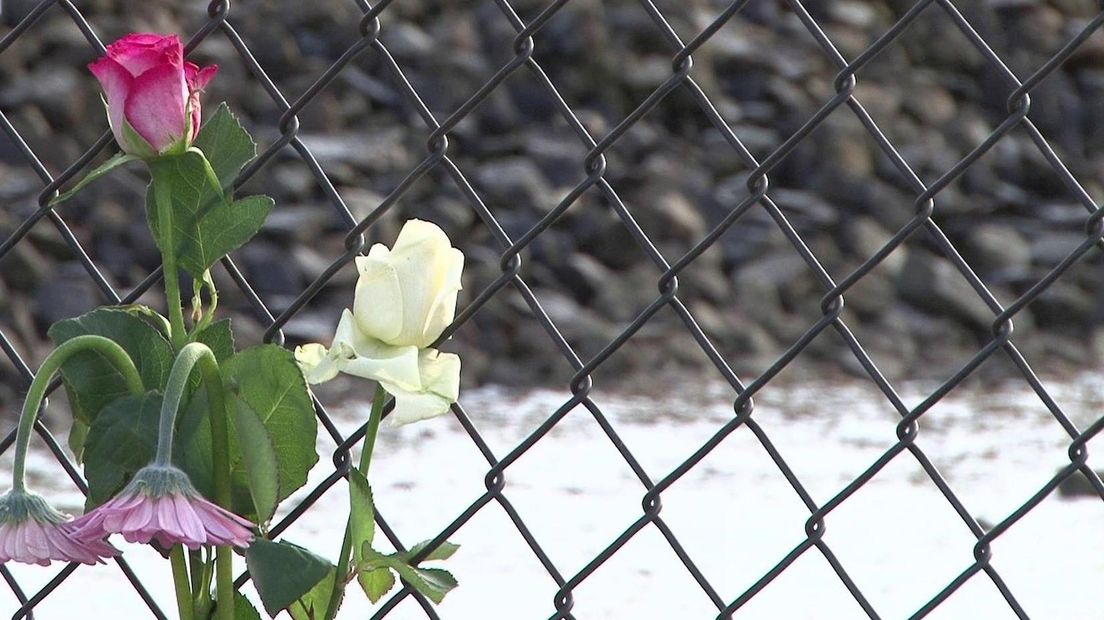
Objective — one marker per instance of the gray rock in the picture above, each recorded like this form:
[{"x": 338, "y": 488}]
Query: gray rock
[
  {"x": 1049, "y": 248},
  {"x": 269, "y": 270},
  {"x": 378, "y": 149},
  {"x": 1064, "y": 307},
  {"x": 932, "y": 283},
  {"x": 930, "y": 102},
  {"x": 761, "y": 287},
  {"x": 1078, "y": 485},
  {"x": 24, "y": 267},
  {"x": 671, "y": 214},
  {"x": 805, "y": 209},
  {"x": 514, "y": 183},
  {"x": 67, "y": 294},
  {"x": 863, "y": 237},
  {"x": 874, "y": 294},
  {"x": 997, "y": 251},
  {"x": 297, "y": 223}
]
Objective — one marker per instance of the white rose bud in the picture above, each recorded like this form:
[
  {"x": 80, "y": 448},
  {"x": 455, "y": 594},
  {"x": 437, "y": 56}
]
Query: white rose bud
[{"x": 405, "y": 298}]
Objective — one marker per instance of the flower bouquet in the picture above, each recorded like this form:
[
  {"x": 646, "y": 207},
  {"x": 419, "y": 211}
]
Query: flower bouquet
[{"x": 189, "y": 444}]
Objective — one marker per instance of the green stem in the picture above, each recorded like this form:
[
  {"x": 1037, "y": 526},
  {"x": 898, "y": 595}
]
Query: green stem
[
  {"x": 374, "y": 419},
  {"x": 199, "y": 569},
  {"x": 164, "y": 206},
  {"x": 195, "y": 571},
  {"x": 180, "y": 579},
  {"x": 208, "y": 574},
  {"x": 109, "y": 349},
  {"x": 224, "y": 583},
  {"x": 370, "y": 433},
  {"x": 190, "y": 356}
]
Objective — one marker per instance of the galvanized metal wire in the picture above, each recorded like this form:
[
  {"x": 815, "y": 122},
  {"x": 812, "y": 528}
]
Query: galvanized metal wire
[{"x": 591, "y": 177}]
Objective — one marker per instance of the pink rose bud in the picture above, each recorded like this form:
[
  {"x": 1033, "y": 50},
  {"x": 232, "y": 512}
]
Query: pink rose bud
[{"x": 152, "y": 93}]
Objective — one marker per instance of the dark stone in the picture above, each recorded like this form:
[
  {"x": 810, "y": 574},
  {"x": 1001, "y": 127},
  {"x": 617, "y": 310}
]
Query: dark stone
[
  {"x": 269, "y": 269},
  {"x": 1078, "y": 485},
  {"x": 515, "y": 183},
  {"x": 67, "y": 294},
  {"x": 933, "y": 284},
  {"x": 997, "y": 252}
]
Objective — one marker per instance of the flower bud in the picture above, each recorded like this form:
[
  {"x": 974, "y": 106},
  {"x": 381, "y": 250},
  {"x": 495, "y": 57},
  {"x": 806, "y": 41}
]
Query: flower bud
[{"x": 152, "y": 93}]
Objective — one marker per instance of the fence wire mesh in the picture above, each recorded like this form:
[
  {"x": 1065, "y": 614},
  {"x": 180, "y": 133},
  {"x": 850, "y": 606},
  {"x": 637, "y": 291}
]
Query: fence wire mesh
[{"x": 591, "y": 178}]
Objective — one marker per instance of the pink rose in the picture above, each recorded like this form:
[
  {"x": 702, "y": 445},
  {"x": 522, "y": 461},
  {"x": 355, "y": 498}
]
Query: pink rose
[{"x": 152, "y": 93}]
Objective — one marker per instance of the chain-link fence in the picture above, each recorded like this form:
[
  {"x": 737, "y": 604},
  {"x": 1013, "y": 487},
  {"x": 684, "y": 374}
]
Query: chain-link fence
[{"x": 592, "y": 178}]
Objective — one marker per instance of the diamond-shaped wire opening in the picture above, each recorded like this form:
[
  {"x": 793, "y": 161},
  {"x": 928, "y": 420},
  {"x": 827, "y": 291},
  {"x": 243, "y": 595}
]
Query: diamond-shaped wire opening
[
  {"x": 489, "y": 541},
  {"x": 977, "y": 598},
  {"x": 598, "y": 492},
  {"x": 829, "y": 431},
  {"x": 662, "y": 587},
  {"x": 1039, "y": 545},
  {"x": 1023, "y": 434},
  {"x": 808, "y": 588},
  {"x": 889, "y": 527},
  {"x": 757, "y": 499}
]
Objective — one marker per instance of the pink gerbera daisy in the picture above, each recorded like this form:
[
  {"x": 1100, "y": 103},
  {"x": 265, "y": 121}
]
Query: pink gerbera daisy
[
  {"x": 33, "y": 532},
  {"x": 161, "y": 504}
]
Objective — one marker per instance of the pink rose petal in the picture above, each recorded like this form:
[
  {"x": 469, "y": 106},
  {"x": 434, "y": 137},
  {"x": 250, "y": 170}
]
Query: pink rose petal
[
  {"x": 155, "y": 106},
  {"x": 148, "y": 84},
  {"x": 115, "y": 81},
  {"x": 141, "y": 52}
]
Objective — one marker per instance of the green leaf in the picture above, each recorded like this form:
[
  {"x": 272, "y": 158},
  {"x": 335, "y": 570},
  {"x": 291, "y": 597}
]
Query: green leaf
[
  {"x": 315, "y": 604},
  {"x": 149, "y": 315},
  {"x": 376, "y": 582},
  {"x": 259, "y": 459},
  {"x": 206, "y": 225},
  {"x": 268, "y": 380},
  {"x": 362, "y": 514},
  {"x": 137, "y": 143},
  {"x": 443, "y": 551},
  {"x": 373, "y": 571},
  {"x": 219, "y": 338},
  {"x": 121, "y": 440},
  {"x": 434, "y": 583},
  {"x": 227, "y": 145},
  {"x": 283, "y": 572},
  {"x": 78, "y": 433},
  {"x": 362, "y": 529},
  {"x": 90, "y": 380},
  {"x": 192, "y": 453},
  {"x": 243, "y": 609},
  {"x": 114, "y": 162}
]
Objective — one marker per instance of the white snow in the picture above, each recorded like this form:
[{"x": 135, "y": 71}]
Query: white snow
[{"x": 734, "y": 513}]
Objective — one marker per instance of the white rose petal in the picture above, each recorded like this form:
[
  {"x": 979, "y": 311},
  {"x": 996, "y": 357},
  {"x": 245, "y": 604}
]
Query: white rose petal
[
  {"x": 440, "y": 373},
  {"x": 405, "y": 298},
  {"x": 407, "y": 295},
  {"x": 317, "y": 364}
]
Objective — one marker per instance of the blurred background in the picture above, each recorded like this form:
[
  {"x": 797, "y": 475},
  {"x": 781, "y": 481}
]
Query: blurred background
[{"x": 931, "y": 92}]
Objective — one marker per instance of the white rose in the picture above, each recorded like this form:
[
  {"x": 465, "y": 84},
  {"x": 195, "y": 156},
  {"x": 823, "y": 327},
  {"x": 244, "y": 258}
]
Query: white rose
[{"x": 405, "y": 298}]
